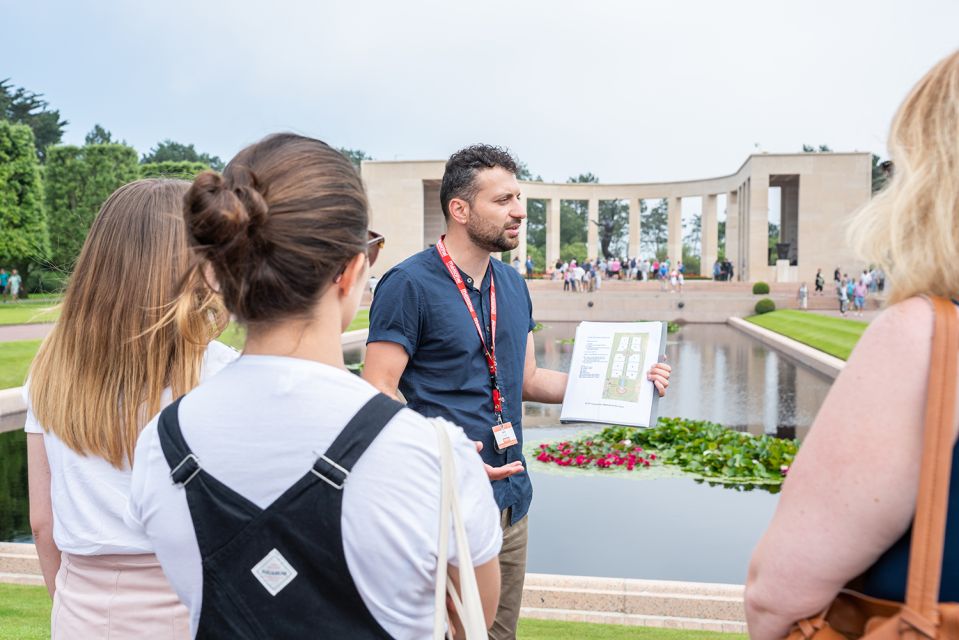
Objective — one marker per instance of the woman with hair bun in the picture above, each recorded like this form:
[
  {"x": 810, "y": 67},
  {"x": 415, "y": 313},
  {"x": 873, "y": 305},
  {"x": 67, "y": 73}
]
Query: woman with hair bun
[
  {"x": 303, "y": 502},
  {"x": 126, "y": 344}
]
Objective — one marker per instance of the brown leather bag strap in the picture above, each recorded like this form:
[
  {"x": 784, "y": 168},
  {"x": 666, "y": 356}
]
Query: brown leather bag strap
[{"x": 929, "y": 526}]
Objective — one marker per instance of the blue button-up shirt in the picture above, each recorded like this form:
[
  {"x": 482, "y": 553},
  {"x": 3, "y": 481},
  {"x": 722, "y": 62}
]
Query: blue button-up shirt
[{"x": 418, "y": 306}]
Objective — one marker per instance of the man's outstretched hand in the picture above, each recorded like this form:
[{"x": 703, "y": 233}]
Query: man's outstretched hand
[
  {"x": 498, "y": 473},
  {"x": 659, "y": 374}
]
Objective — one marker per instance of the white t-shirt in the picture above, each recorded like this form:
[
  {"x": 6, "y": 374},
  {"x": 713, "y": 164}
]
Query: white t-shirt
[
  {"x": 259, "y": 426},
  {"x": 89, "y": 495}
]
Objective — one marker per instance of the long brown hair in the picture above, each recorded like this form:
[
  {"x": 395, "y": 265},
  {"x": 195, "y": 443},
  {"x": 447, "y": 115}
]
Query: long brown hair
[
  {"x": 124, "y": 333},
  {"x": 276, "y": 227}
]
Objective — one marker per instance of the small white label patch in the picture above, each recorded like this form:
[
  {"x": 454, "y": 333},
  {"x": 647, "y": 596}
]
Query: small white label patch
[{"x": 274, "y": 572}]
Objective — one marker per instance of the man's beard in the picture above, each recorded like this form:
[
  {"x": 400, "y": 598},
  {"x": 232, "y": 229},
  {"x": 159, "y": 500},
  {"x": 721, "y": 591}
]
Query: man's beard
[{"x": 488, "y": 236}]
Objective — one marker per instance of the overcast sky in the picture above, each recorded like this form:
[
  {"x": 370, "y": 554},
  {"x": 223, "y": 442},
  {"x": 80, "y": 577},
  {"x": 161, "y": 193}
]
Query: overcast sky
[{"x": 632, "y": 91}]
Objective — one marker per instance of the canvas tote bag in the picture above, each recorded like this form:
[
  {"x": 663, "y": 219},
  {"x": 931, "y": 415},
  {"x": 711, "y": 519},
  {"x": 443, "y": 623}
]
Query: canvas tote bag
[
  {"x": 469, "y": 607},
  {"x": 853, "y": 615}
]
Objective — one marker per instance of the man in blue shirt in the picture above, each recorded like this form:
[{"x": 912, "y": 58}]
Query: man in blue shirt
[{"x": 472, "y": 363}]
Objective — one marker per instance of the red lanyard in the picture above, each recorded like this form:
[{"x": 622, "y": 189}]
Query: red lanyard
[{"x": 489, "y": 352}]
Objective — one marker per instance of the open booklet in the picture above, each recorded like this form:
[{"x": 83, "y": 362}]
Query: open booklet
[{"x": 607, "y": 376}]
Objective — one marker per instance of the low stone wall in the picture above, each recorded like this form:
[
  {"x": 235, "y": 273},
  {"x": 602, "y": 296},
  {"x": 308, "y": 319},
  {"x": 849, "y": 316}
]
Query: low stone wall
[{"x": 813, "y": 358}]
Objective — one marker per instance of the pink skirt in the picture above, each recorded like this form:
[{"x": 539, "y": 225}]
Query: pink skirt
[{"x": 116, "y": 597}]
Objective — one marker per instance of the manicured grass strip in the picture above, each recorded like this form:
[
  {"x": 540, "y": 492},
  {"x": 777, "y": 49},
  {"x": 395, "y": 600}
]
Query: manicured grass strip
[
  {"x": 554, "y": 630},
  {"x": 15, "y": 359},
  {"x": 29, "y": 312},
  {"x": 835, "y": 336},
  {"x": 24, "y": 612}
]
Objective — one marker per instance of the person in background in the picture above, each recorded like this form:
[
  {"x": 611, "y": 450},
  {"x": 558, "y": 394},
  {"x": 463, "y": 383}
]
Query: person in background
[
  {"x": 843, "y": 294},
  {"x": 529, "y": 268},
  {"x": 859, "y": 296},
  {"x": 717, "y": 270},
  {"x": 846, "y": 508},
  {"x": 303, "y": 503},
  {"x": 125, "y": 345},
  {"x": 803, "y": 296},
  {"x": 4, "y": 281},
  {"x": 820, "y": 282},
  {"x": 14, "y": 285},
  {"x": 516, "y": 265}
]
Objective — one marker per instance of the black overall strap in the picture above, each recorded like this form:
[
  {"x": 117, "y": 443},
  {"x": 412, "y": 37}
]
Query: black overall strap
[
  {"x": 183, "y": 464},
  {"x": 334, "y": 466}
]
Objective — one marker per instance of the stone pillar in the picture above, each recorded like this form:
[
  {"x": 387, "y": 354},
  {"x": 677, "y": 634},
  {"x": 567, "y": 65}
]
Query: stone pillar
[
  {"x": 592, "y": 230},
  {"x": 552, "y": 231},
  {"x": 520, "y": 250},
  {"x": 732, "y": 228},
  {"x": 710, "y": 236},
  {"x": 758, "y": 240},
  {"x": 675, "y": 242},
  {"x": 634, "y": 228}
]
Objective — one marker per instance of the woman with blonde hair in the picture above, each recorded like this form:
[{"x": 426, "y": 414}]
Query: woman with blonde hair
[
  {"x": 126, "y": 344},
  {"x": 849, "y": 501}
]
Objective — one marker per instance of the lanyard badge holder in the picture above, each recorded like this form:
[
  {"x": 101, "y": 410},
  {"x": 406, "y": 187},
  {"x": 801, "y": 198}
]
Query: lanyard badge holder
[{"x": 503, "y": 434}]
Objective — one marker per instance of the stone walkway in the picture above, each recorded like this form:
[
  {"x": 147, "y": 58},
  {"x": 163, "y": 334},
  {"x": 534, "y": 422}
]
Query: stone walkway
[{"x": 14, "y": 332}]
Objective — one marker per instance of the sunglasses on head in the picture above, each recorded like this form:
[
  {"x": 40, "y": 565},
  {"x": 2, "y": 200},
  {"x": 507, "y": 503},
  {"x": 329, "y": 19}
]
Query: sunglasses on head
[{"x": 373, "y": 246}]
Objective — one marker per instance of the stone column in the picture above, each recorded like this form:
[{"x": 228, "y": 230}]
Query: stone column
[
  {"x": 592, "y": 230},
  {"x": 552, "y": 231},
  {"x": 758, "y": 240},
  {"x": 520, "y": 250},
  {"x": 675, "y": 242},
  {"x": 732, "y": 228},
  {"x": 709, "y": 228},
  {"x": 634, "y": 228}
]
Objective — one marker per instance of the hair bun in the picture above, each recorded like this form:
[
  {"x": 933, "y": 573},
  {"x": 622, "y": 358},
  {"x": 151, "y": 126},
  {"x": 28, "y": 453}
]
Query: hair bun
[{"x": 222, "y": 221}]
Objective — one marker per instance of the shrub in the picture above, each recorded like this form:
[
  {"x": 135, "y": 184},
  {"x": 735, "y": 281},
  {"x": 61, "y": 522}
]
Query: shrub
[
  {"x": 182, "y": 170},
  {"x": 765, "y": 306},
  {"x": 760, "y": 288}
]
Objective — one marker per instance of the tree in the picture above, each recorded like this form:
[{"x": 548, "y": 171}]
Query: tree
[
  {"x": 655, "y": 227},
  {"x": 26, "y": 107},
  {"x": 356, "y": 156},
  {"x": 170, "y": 151},
  {"x": 721, "y": 244},
  {"x": 98, "y": 135},
  {"x": 881, "y": 172},
  {"x": 170, "y": 169},
  {"x": 78, "y": 181},
  {"x": 24, "y": 238}
]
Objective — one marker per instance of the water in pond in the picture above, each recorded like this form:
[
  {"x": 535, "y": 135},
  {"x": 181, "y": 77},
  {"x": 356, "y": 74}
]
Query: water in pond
[{"x": 670, "y": 528}]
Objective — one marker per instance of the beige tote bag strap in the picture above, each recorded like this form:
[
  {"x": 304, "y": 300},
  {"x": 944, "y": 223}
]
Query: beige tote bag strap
[
  {"x": 929, "y": 526},
  {"x": 469, "y": 607}
]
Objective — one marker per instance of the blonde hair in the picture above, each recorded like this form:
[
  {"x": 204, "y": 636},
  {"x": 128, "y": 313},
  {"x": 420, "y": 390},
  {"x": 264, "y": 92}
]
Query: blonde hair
[
  {"x": 911, "y": 228},
  {"x": 124, "y": 334}
]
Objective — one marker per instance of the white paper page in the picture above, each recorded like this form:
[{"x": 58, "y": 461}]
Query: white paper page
[{"x": 607, "y": 377}]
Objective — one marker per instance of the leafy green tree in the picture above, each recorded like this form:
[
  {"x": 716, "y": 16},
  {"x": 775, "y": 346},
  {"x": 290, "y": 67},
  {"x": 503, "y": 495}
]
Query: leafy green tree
[
  {"x": 170, "y": 151},
  {"x": 98, "y": 135},
  {"x": 78, "y": 181},
  {"x": 26, "y": 107},
  {"x": 182, "y": 170},
  {"x": 356, "y": 156},
  {"x": 655, "y": 226},
  {"x": 24, "y": 239},
  {"x": 880, "y": 173},
  {"x": 721, "y": 244}
]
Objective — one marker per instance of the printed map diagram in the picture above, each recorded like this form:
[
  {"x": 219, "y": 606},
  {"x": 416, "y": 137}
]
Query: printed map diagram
[{"x": 624, "y": 373}]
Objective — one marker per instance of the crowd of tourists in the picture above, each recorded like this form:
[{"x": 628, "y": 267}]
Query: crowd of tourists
[
  {"x": 180, "y": 489},
  {"x": 854, "y": 290}
]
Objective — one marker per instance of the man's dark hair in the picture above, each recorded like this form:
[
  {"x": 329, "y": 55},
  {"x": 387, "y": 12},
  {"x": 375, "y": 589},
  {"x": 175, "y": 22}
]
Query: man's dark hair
[{"x": 459, "y": 179}]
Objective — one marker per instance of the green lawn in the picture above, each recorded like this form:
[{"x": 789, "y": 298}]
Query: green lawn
[
  {"x": 15, "y": 357},
  {"x": 835, "y": 336},
  {"x": 30, "y": 311},
  {"x": 25, "y": 615},
  {"x": 24, "y": 612}
]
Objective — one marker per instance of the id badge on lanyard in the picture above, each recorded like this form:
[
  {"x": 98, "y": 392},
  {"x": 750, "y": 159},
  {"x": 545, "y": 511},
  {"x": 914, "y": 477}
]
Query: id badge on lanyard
[{"x": 503, "y": 434}]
